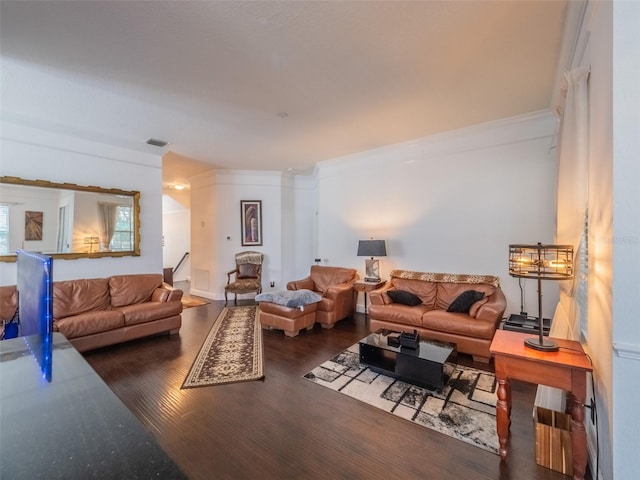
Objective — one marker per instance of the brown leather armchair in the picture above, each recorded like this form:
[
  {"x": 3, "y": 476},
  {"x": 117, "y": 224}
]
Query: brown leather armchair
[
  {"x": 335, "y": 284},
  {"x": 248, "y": 275}
]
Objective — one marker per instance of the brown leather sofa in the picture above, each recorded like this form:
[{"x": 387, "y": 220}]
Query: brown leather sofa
[
  {"x": 96, "y": 312},
  {"x": 335, "y": 284},
  {"x": 471, "y": 331}
]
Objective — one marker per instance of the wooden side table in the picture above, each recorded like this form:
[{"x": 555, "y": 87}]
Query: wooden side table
[
  {"x": 366, "y": 287},
  {"x": 566, "y": 369}
]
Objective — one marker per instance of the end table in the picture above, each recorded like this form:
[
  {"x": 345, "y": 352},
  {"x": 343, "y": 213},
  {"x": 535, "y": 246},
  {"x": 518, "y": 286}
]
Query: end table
[
  {"x": 366, "y": 287},
  {"x": 565, "y": 369}
]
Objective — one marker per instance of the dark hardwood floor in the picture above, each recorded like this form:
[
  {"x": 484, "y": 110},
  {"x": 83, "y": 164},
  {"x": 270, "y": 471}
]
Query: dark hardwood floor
[{"x": 287, "y": 427}]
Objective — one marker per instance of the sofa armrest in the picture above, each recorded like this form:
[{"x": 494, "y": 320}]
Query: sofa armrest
[
  {"x": 305, "y": 283},
  {"x": 379, "y": 296},
  {"x": 334, "y": 291},
  {"x": 493, "y": 310},
  {"x": 341, "y": 300},
  {"x": 166, "y": 293}
]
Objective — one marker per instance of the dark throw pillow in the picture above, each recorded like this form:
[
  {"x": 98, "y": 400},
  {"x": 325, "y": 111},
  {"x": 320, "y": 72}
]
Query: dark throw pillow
[
  {"x": 463, "y": 303},
  {"x": 404, "y": 298}
]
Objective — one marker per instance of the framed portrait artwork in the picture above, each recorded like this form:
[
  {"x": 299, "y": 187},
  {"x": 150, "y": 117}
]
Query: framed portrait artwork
[
  {"x": 251, "y": 222},
  {"x": 33, "y": 225}
]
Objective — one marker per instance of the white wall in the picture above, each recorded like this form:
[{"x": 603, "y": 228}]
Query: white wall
[
  {"x": 448, "y": 203},
  {"x": 215, "y": 227},
  {"x": 288, "y": 209},
  {"x": 176, "y": 237},
  {"x": 597, "y": 34},
  {"x": 288, "y": 245},
  {"x": 205, "y": 237},
  {"x": 32, "y": 153},
  {"x": 304, "y": 217},
  {"x": 610, "y": 45},
  {"x": 626, "y": 236}
]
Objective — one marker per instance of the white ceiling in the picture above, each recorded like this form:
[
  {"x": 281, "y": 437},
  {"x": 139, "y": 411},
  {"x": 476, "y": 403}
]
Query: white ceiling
[{"x": 214, "y": 78}]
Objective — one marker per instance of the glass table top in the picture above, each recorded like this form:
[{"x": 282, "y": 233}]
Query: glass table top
[{"x": 432, "y": 350}]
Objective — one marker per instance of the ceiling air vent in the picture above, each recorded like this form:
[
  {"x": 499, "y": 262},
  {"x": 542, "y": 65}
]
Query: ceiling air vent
[{"x": 156, "y": 143}]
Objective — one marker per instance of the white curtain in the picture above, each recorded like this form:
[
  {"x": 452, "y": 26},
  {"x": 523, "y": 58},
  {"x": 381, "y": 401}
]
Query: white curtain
[
  {"x": 108, "y": 218},
  {"x": 572, "y": 200}
]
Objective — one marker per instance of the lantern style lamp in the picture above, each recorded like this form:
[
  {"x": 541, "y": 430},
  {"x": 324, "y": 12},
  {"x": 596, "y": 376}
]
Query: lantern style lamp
[
  {"x": 542, "y": 262},
  {"x": 91, "y": 241}
]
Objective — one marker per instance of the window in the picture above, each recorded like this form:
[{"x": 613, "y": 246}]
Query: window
[{"x": 122, "y": 240}]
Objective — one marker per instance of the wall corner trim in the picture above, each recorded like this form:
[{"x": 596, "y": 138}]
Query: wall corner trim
[{"x": 627, "y": 350}]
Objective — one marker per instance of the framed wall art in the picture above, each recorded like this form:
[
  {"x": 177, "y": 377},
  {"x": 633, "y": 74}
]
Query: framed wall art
[
  {"x": 251, "y": 222},
  {"x": 33, "y": 226}
]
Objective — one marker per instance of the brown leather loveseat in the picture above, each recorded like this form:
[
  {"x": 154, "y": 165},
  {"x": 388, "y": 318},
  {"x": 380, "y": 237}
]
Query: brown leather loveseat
[
  {"x": 96, "y": 312},
  {"x": 335, "y": 284},
  {"x": 477, "y": 301}
]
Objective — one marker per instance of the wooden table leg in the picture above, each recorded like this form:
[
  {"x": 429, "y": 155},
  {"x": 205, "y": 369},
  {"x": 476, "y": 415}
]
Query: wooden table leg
[
  {"x": 503, "y": 413},
  {"x": 575, "y": 406}
]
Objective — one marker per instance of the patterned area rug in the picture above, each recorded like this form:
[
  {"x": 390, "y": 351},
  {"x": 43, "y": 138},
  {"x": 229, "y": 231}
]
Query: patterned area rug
[
  {"x": 232, "y": 351},
  {"x": 465, "y": 408}
]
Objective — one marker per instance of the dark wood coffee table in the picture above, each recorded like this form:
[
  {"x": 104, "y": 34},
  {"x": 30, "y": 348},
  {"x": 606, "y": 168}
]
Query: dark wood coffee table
[{"x": 430, "y": 365}]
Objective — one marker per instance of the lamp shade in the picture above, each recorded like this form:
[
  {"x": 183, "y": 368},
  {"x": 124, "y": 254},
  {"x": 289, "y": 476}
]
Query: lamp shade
[
  {"x": 547, "y": 262},
  {"x": 372, "y": 248},
  {"x": 542, "y": 262}
]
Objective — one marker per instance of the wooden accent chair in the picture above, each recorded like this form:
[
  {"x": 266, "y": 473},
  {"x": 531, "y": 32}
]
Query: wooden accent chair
[{"x": 248, "y": 275}]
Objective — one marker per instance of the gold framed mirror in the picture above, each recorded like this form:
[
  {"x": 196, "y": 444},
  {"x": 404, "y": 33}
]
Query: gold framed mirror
[{"x": 67, "y": 221}]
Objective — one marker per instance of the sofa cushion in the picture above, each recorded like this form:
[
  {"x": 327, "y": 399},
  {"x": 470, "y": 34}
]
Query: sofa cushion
[
  {"x": 290, "y": 298},
  {"x": 473, "y": 311},
  {"x": 132, "y": 289},
  {"x": 324, "y": 277},
  {"x": 463, "y": 302},
  {"x": 426, "y": 291},
  {"x": 400, "y": 314},
  {"x": 160, "y": 295},
  {"x": 326, "y": 304},
  {"x": 89, "y": 323},
  {"x": 149, "y": 311},
  {"x": 458, "y": 324},
  {"x": 403, "y": 297},
  {"x": 448, "y": 292},
  {"x": 73, "y": 297}
]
